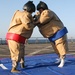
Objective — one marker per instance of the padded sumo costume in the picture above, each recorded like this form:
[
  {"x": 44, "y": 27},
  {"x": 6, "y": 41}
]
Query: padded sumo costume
[
  {"x": 51, "y": 27},
  {"x": 20, "y": 29}
]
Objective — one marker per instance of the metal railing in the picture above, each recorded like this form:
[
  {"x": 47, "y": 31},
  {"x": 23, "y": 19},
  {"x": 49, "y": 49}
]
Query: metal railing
[{"x": 34, "y": 40}]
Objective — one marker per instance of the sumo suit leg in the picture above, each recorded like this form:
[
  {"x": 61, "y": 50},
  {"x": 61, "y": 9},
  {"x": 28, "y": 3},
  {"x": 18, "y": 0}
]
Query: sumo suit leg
[
  {"x": 56, "y": 51},
  {"x": 62, "y": 46},
  {"x": 17, "y": 54},
  {"x": 22, "y": 51},
  {"x": 54, "y": 47}
]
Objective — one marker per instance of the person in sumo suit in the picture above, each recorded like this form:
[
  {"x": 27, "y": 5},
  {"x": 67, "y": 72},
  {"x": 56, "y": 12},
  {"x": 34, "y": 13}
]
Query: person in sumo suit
[
  {"x": 20, "y": 29},
  {"x": 51, "y": 27}
]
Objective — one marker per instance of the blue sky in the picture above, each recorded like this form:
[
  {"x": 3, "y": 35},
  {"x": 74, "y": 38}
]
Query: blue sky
[{"x": 65, "y": 9}]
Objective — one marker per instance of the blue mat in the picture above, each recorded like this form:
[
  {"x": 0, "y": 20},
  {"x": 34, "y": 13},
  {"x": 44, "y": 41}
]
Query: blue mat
[{"x": 40, "y": 65}]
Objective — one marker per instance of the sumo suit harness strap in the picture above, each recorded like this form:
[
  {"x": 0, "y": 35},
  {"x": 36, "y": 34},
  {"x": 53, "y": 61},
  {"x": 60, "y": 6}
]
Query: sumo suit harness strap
[
  {"x": 58, "y": 34},
  {"x": 16, "y": 37}
]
